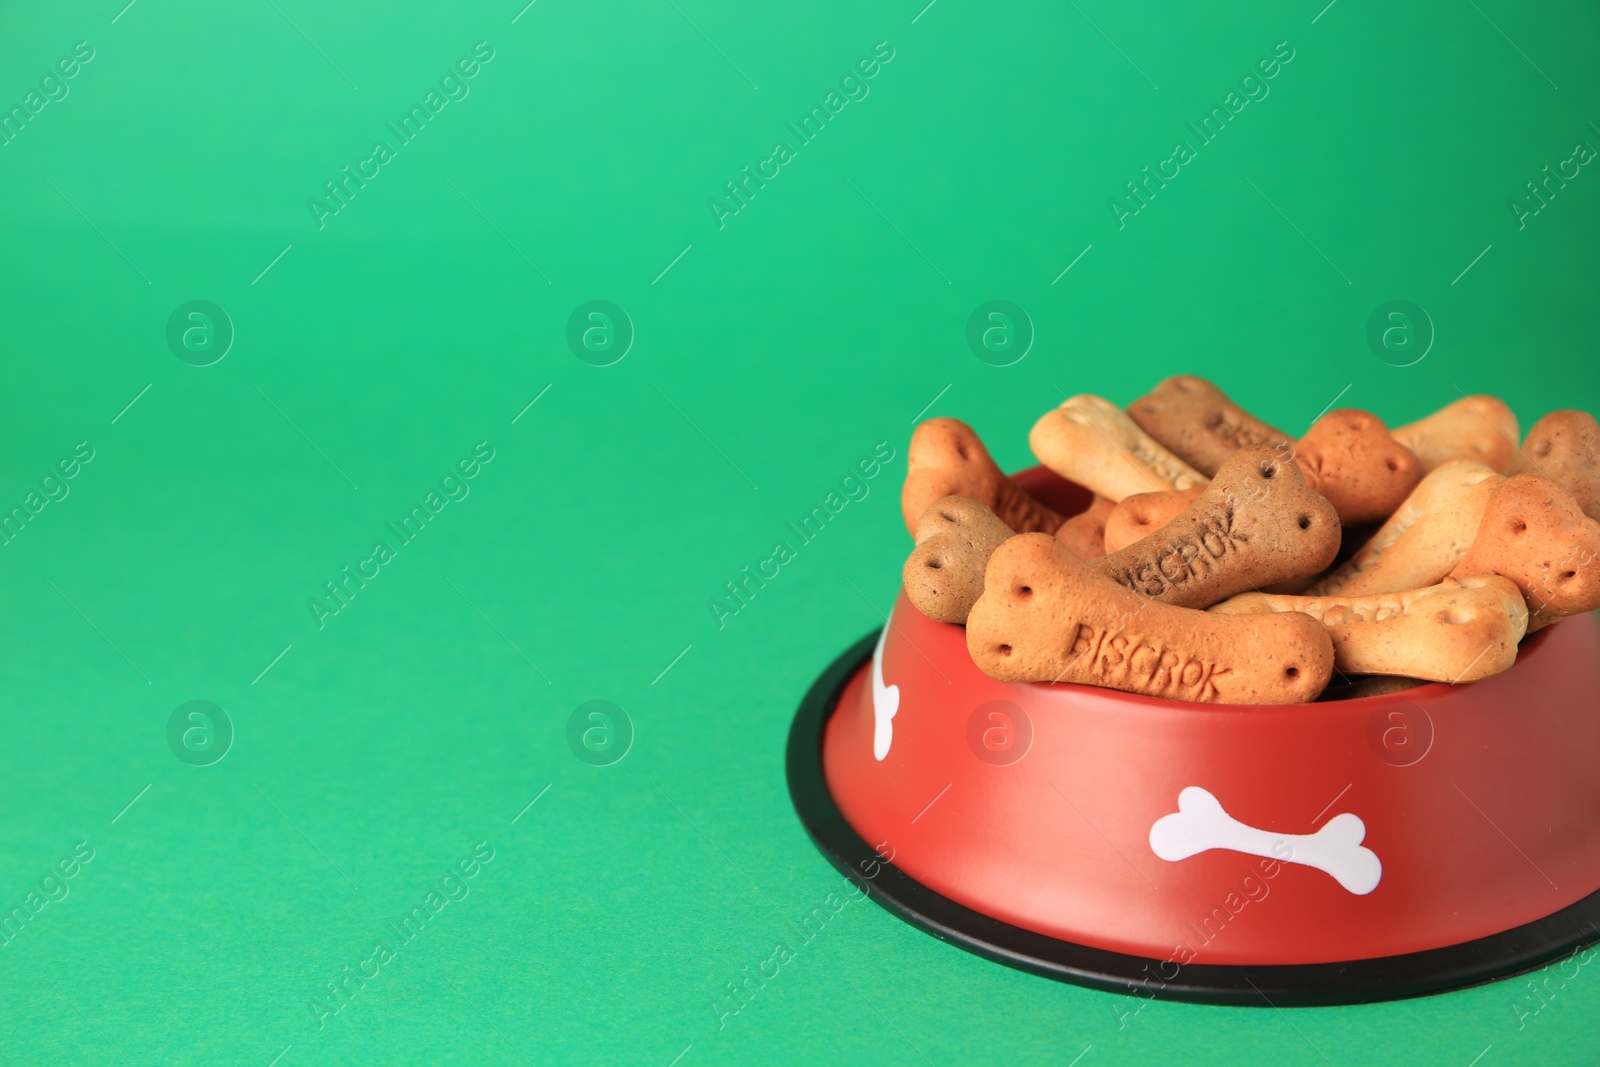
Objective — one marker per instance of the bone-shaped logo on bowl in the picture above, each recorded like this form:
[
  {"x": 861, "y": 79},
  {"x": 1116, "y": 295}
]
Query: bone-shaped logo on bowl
[
  {"x": 885, "y": 702},
  {"x": 1200, "y": 824}
]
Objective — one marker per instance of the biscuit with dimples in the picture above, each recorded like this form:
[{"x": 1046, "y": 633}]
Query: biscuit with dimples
[
  {"x": 1047, "y": 616},
  {"x": 1350, "y": 457},
  {"x": 943, "y": 575},
  {"x": 1457, "y": 631},
  {"x": 1198, "y": 422},
  {"x": 1256, "y": 524},
  {"x": 1564, "y": 446},
  {"x": 1534, "y": 533}
]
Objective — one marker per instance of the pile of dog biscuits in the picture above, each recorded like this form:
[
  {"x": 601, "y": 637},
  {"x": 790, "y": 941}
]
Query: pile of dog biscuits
[{"x": 1223, "y": 561}]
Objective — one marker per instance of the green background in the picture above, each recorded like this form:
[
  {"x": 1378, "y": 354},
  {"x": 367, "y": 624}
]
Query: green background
[{"x": 374, "y": 753}]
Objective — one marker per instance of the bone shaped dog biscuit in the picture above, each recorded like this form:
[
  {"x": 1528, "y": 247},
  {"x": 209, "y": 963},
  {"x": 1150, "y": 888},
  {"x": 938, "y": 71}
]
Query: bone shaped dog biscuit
[
  {"x": 1425, "y": 537},
  {"x": 1564, "y": 446},
  {"x": 1350, "y": 457},
  {"x": 943, "y": 575},
  {"x": 1142, "y": 514},
  {"x": 1047, "y": 616},
  {"x": 1198, "y": 422},
  {"x": 1201, "y": 824},
  {"x": 1091, "y": 441},
  {"x": 1534, "y": 533},
  {"x": 1457, "y": 631},
  {"x": 1084, "y": 534},
  {"x": 946, "y": 458},
  {"x": 1480, "y": 428},
  {"x": 1256, "y": 524}
]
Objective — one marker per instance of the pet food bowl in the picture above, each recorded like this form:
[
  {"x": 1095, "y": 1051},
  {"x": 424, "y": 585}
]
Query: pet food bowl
[{"x": 1338, "y": 852}]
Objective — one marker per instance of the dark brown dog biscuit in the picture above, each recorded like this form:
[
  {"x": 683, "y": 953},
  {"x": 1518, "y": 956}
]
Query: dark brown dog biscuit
[
  {"x": 1142, "y": 514},
  {"x": 1198, "y": 422},
  {"x": 1257, "y": 523},
  {"x": 943, "y": 575},
  {"x": 1085, "y": 532},
  {"x": 946, "y": 458},
  {"x": 1534, "y": 533},
  {"x": 1350, "y": 457},
  {"x": 1046, "y": 616},
  {"x": 1564, "y": 446}
]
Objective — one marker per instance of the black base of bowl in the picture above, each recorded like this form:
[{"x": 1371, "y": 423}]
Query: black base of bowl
[{"x": 1502, "y": 955}]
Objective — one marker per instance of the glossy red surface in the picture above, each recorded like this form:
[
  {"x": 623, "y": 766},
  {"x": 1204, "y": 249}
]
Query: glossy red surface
[{"x": 1481, "y": 801}]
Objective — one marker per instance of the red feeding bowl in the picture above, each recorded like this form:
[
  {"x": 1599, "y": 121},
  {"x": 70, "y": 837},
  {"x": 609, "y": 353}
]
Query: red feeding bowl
[{"x": 1338, "y": 852}]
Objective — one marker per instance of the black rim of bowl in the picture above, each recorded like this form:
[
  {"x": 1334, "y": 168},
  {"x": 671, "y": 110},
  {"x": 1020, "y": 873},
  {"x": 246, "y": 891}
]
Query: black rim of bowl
[{"x": 1515, "y": 951}]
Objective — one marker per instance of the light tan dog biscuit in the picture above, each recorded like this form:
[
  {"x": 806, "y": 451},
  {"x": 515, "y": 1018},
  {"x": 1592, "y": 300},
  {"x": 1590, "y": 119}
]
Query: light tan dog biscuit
[
  {"x": 1480, "y": 427},
  {"x": 1047, "y": 616},
  {"x": 1456, "y": 631},
  {"x": 1424, "y": 539},
  {"x": 1142, "y": 514},
  {"x": 1534, "y": 533},
  {"x": 1091, "y": 441},
  {"x": 1198, "y": 422},
  {"x": 944, "y": 574},
  {"x": 946, "y": 458},
  {"x": 1085, "y": 532},
  {"x": 1257, "y": 523},
  {"x": 1349, "y": 457},
  {"x": 1564, "y": 446}
]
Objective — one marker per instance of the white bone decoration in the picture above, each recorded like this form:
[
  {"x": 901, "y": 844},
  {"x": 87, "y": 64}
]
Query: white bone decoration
[
  {"x": 1200, "y": 824},
  {"x": 885, "y": 702}
]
